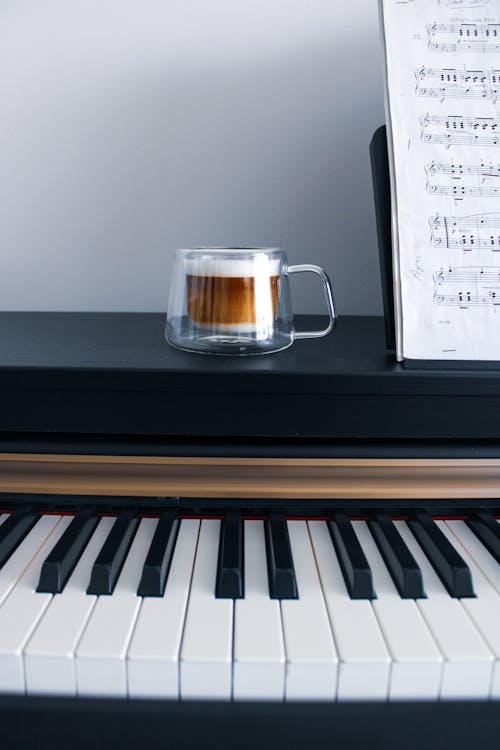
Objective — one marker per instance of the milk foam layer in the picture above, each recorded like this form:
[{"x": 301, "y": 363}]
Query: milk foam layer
[{"x": 233, "y": 267}]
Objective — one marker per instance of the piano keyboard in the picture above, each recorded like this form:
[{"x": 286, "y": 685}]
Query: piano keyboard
[{"x": 271, "y": 609}]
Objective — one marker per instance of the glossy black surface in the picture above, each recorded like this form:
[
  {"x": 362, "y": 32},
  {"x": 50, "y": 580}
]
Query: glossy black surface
[
  {"x": 12, "y": 532},
  {"x": 159, "y": 557},
  {"x": 280, "y": 568},
  {"x": 400, "y": 562},
  {"x": 59, "y": 564},
  {"x": 448, "y": 564},
  {"x": 110, "y": 560},
  {"x": 353, "y": 563},
  {"x": 230, "y": 582},
  {"x": 487, "y": 530}
]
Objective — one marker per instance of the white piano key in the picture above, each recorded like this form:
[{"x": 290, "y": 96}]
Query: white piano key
[
  {"x": 484, "y": 608},
  {"x": 365, "y": 662},
  {"x": 153, "y": 655},
  {"x": 417, "y": 660},
  {"x": 312, "y": 661},
  {"x": 23, "y": 607},
  {"x": 49, "y": 656},
  {"x": 468, "y": 665},
  {"x": 20, "y": 559},
  {"x": 100, "y": 654},
  {"x": 206, "y": 651},
  {"x": 259, "y": 653}
]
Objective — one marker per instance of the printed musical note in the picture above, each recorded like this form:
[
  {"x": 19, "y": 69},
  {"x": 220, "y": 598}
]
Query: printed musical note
[
  {"x": 466, "y": 286},
  {"x": 465, "y": 37},
  {"x": 456, "y": 129},
  {"x": 480, "y": 231},
  {"x": 464, "y": 180},
  {"x": 451, "y": 83}
]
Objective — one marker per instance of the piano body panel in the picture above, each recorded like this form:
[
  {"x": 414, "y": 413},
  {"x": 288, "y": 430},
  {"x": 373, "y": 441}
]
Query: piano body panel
[
  {"x": 113, "y": 374},
  {"x": 53, "y": 724},
  {"x": 316, "y": 415}
]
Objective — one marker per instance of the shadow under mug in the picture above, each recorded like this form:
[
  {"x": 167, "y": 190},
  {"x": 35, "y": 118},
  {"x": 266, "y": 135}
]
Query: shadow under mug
[{"x": 226, "y": 300}]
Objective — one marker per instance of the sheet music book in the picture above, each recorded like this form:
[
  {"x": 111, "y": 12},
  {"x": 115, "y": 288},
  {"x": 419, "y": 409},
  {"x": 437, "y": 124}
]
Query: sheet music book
[{"x": 443, "y": 123}]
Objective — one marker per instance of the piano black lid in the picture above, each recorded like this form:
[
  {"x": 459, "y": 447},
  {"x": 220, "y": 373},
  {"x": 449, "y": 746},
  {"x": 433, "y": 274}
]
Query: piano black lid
[{"x": 114, "y": 374}]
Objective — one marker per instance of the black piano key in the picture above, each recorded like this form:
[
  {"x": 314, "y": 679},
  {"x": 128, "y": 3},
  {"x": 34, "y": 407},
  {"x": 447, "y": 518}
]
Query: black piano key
[
  {"x": 280, "y": 569},
  {"x": 159, "y": 557},
  {"x": 13, "y": 531},
  {"x": 487, "y": 531},
  {"x": 400, "y": 562},
  {"x": 353, "y": 563},
  {"x": 61, "y": 562},
  {"x": 109, "y": 561},
  {"x": 229, "y": 581},
  {"x": 444, "y": 558}
]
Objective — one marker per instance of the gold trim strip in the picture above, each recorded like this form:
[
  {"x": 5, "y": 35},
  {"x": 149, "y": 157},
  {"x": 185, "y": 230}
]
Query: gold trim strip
[
  {"x": 265, "y": 478},
  {"x": 222, "y": 461}
]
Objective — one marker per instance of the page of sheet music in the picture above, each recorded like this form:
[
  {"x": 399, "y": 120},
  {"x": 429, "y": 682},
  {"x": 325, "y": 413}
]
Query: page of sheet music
[{"x": 443, "y": 76}]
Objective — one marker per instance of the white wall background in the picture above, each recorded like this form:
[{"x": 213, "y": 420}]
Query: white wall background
[{"x": 131, "y": 127}]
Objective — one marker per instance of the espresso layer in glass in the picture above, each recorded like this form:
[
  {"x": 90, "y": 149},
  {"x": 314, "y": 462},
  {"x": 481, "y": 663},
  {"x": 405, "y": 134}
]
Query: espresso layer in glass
[{"x": 231, "y": 300}]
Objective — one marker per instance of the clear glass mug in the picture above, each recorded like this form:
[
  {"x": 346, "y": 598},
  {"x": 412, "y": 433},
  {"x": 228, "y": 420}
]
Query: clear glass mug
[{"x": 236, "y": 300}]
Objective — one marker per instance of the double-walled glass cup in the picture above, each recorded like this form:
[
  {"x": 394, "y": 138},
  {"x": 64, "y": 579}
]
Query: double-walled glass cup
[{"x": 226, "y": 300}]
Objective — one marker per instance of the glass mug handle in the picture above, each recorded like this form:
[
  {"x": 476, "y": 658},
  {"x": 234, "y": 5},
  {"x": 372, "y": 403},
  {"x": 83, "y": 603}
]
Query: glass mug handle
[{"x": 330, "y": 302}]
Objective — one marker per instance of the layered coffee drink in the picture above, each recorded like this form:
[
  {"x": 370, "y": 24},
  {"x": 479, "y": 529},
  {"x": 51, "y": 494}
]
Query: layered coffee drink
[
  {"x": 235, "y": 300},
  {"x": 231, "y": 294}
]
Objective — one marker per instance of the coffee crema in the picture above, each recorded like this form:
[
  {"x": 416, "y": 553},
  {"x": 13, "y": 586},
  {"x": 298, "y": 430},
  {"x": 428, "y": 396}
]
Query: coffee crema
[{"x": 230, "y": 300}]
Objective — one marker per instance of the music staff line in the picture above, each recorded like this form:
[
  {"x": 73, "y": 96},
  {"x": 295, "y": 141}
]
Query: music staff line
[
  {"x": 468, "y": 233},
  {"x": 468, "y": 37},
  {"x": 464, "y": 180},
  {"x": 451, "y": 83},
  {"x": 466, "y": 286},
  {"x": 466, "y": 299},
  {"x": 461, "y": 4},
  {"x": 463, "y": 191},
  {"x": 489, "y": 275},
  {"x": 483, "y": 170},
  {"x": 460, "y": 130}
]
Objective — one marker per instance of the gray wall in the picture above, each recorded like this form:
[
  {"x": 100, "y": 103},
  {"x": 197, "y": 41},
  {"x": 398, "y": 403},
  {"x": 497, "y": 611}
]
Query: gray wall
[{"x": 131, "y": 127}]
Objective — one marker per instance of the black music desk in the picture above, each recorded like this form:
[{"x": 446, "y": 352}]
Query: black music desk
[{"x": 113, "y": 374}]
